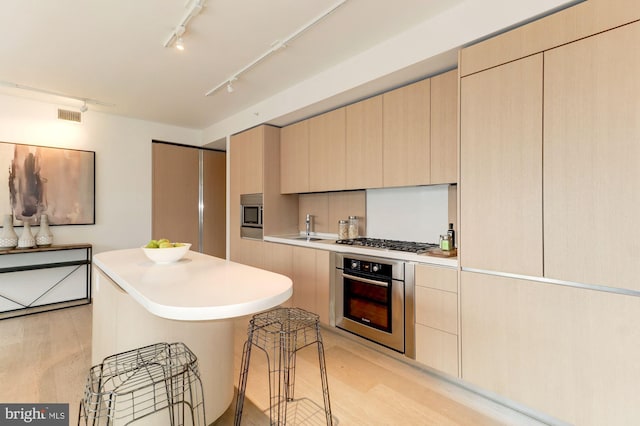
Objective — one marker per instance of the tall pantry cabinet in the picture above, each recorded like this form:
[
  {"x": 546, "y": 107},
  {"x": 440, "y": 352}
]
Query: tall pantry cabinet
[
  {"x": 255, "y": 164},
  {"x": 550, "y": 177}
]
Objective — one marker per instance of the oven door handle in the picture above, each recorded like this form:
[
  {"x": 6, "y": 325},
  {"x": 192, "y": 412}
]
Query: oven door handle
[{"x": 366, "y": 280}]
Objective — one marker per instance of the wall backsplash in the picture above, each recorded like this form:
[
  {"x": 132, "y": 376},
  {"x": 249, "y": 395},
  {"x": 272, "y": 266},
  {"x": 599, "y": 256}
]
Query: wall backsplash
[{"x": 408, "y": 213}]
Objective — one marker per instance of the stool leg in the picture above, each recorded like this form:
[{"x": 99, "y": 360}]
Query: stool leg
[
  {"x": 277, "y": 381},
  {"x": 325, "y": 382},
  {"x": 290, "y": 367},
  {"x": 242, "y": 385}
]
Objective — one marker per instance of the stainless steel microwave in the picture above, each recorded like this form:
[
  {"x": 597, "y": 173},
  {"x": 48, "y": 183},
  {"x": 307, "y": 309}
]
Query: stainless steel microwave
[{"x": 251, "y": 213}]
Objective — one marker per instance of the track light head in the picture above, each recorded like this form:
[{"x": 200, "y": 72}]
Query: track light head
[
  {"x": 229, "y": 87},
  {"x": 84, "y": 107},
  {"x": 179, "y": 44}
]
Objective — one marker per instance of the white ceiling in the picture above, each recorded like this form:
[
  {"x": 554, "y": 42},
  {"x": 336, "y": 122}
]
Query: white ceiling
[{"x": 112, "y": 51}]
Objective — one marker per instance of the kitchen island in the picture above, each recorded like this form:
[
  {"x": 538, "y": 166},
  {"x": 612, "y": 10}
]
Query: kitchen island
[{"x": 137, "y": 303}]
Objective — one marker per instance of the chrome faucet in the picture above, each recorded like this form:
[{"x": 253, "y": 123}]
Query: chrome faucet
[{"x": 308, "y": 224}]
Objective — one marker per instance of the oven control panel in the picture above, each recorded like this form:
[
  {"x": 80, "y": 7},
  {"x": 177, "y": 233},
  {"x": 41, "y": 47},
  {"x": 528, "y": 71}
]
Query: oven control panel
[{"x": 372, "y": 268}]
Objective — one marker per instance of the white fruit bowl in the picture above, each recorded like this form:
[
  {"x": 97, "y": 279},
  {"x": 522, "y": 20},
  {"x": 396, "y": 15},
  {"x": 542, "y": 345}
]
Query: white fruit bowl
[{"x": 166, "y": 255}]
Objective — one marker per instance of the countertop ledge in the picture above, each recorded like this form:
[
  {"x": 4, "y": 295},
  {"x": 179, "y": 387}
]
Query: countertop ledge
[{"x": 330, "y": 245}]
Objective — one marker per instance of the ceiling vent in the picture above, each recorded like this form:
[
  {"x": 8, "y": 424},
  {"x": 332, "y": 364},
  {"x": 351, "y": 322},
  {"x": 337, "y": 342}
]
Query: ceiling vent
[{"x": 64, "y": 114}]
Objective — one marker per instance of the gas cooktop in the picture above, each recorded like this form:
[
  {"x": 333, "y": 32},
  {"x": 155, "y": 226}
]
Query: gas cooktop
[{"x": 407, "y": 246}]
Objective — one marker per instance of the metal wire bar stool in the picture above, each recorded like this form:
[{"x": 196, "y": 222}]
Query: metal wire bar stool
[
  {"x": 280, "y": 333},
  {"x": 132, "y": 385}
]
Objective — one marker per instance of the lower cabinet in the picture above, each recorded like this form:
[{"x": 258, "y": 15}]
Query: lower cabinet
[
  {"x": 436, "y": 314},
  {"x": 311, "y": 281},
  {"x": 569, "y": 352},
  {"x": 309, "y": 269}
]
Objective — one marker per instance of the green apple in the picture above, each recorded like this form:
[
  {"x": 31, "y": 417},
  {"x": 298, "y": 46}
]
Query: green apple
[{"x": 165, "y": 244}]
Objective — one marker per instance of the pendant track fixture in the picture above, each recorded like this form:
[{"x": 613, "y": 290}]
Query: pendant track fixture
[
  {"x": 175, "y": 38},
  {"x": 275, "y": 46}
]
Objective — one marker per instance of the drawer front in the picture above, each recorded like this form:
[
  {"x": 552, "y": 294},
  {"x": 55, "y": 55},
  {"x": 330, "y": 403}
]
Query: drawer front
[
  {"x": 437, "y": 277},
  {"x": 437, "y": 349},
  {"x": 437, "y": 309}
]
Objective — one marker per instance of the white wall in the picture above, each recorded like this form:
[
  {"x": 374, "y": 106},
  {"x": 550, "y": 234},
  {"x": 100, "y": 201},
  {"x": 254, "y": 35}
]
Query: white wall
[{"x": 123, "y": 166}]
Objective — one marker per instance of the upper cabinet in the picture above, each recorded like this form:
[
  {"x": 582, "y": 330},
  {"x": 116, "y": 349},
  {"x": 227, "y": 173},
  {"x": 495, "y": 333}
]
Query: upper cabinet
[
  {"x": 364, "y": 144},
  {"x": 501, "y": 168},
  {"x": 294, "y": 158},
  {"x": 406, "y": 135},
  {"x": 327, "y": 167},
  {"x": 592, "y": 160},
  {"x": 444, "y": 128},
  {"x": 246, "y": 162}
]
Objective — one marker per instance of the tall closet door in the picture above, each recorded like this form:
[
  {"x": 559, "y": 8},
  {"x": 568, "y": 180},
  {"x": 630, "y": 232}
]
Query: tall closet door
[
  {"x": 214, "y": 200},
  {"x": 175, "y": 193}
]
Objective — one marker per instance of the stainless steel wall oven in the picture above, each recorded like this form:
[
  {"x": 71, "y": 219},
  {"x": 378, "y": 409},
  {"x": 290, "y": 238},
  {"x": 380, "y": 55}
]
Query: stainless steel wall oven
[
  {"x": 374, "y": 299},
  {"x": 251, "y": 213}
]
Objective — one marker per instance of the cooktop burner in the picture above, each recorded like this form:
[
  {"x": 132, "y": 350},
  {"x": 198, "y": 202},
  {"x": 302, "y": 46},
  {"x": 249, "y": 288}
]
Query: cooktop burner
[{"x": 408, "y": 246}]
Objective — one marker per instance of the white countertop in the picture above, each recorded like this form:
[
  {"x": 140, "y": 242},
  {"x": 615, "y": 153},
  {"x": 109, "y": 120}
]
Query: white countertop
[
  {"x": 331, "y": 245},
  {"x": 198, "y": 287}
]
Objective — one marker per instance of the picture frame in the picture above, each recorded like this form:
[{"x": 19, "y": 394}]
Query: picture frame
[{"x": 41, "y": 180}]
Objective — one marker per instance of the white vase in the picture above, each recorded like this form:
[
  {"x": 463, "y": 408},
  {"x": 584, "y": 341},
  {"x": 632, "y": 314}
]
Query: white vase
[
  {"x": 26, "y": 239},
  {"x": 44, "y": 237},
  {"x": 8, "y": 236}
]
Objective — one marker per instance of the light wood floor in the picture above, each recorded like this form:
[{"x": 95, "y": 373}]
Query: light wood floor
[{"x": 45, "y": 358}]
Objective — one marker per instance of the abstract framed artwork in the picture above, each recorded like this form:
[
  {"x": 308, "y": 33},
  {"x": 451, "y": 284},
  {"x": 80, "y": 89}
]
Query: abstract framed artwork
[{"x": 39, "y": 180}]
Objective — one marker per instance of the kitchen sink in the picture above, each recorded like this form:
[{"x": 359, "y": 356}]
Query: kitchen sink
[{"x": 302, "y": 238}]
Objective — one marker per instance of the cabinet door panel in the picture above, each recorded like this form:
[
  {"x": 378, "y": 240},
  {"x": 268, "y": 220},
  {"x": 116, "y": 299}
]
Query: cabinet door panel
[
  {"x": 406, "y": 148},
  {"x": 327, "y": 148},
  {"x": 444, "y": 128},
  {"x": 294, "y": 158},
  {"x": 568, "y": 352},
  {"x": 304, "y": 278},
  {"x": 364, "y": 144},
  {"x": 501, "y": 168},
  {"x": 592, "y": 160}
]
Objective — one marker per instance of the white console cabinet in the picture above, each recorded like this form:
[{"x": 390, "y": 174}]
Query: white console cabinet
[{"x": 43, "y": 279}]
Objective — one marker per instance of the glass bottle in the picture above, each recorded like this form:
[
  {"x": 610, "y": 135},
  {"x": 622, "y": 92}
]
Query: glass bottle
[
  {"x": 343, "y": 229},
  {"x": 353, "y": 227}
]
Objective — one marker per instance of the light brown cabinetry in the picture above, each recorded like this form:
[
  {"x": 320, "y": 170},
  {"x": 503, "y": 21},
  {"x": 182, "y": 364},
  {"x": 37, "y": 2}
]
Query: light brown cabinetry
[
  {"x": 294, "y": 158},
  {"x": 327, "y": 167},
  {"x": 501, "y": 168},
  {"x": 176, "y": 175},
  {"x": 364, "y": 144},
  {"x": 444, "y": 128},
  {"x": 571, "y": 353},
  {"x": 436, "y": 315},
  {"x": 592, "y": 160},
  {"x": 254, "y": 161},
  {"x": 406, "y": 135},
  {"x": 311, "y": 281}
]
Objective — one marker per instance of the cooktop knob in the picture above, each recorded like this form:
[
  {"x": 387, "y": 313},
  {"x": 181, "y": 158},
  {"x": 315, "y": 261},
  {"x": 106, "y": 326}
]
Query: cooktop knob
[
  {"x": 375, "y": 268},
  {"x": 354, "y": 264}
]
